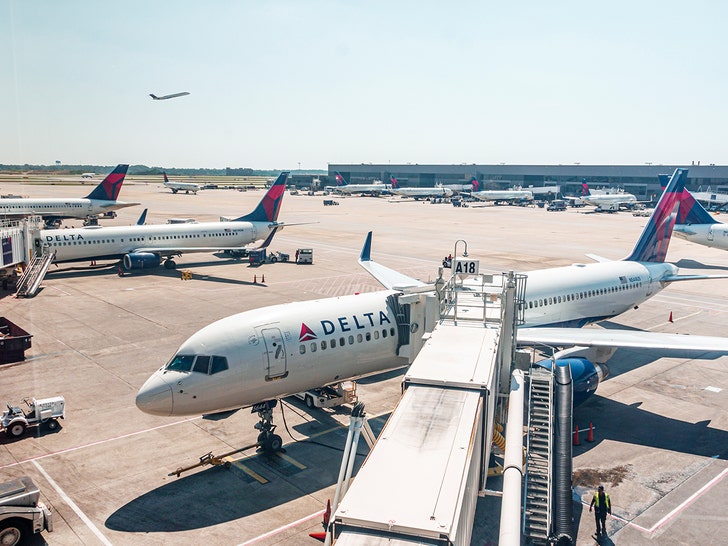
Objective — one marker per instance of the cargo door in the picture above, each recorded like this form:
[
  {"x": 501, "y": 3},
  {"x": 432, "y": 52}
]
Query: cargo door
[{"x": 275, "y": 354}]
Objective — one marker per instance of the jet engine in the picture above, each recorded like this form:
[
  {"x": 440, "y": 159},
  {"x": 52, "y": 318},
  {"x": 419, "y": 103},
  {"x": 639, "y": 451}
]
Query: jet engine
[
  {"x": 585, "y": 375},
  {"x": 141, "y": 260}
]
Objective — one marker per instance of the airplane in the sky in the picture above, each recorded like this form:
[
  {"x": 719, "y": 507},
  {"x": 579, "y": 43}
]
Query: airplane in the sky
[
  {"x": 499, "y": 196},
  {"x": 695, "y": 224},
  {"x": 304, "y": 345},
  {"x": 419, "y": 192},
  {"x": 100, "y": 202},
  {"x": 145, "y": 246},
  {"x": 606, "y": 201},
  {"x": 376, "y": 188},
  {"x": 172, "y": 96},
  {"x": 186, "y": 187}
]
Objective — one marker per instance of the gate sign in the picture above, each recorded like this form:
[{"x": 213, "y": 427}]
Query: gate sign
[{"x": 466, "y": 267}]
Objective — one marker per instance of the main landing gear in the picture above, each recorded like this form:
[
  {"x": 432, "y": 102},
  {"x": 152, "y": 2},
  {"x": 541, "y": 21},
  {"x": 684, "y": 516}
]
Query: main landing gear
[{"x": 268, "y": 441}]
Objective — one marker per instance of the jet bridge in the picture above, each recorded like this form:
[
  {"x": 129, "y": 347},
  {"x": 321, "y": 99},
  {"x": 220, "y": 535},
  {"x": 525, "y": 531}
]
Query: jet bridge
[{"x": 419, "y": 484}]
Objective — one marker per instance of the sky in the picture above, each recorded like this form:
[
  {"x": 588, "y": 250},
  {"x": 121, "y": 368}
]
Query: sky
[{"x": 300, "y": 84}]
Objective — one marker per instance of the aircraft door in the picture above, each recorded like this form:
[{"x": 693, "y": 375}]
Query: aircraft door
[
  {"x": 710, "y": 233},
  {"x": 275, "y": 354}
]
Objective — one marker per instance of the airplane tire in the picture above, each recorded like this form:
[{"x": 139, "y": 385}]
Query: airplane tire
[
  {"x": 170, "y": 264},
  {"x": 262, "y": 437},
  {"x": 274, "y": 443},
  {"x": 309, "y": 402},
  {"x": 52, "y": 425},
  {"x": 16, "y": 430}
]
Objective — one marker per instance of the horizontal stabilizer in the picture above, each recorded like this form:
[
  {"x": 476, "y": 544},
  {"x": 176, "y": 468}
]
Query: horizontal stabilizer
[
  {"x": 389, "y": 278},
  {"x": 676, "y": 278},
  {"x": 597, "y": 258}
]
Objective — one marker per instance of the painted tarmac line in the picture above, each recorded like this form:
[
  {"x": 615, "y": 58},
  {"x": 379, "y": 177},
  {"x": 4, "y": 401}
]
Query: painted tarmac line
[
  {"x": 283, "y": 528},
  {"x": 98, "y": 442},
  {"x": 95, "y": 530}
]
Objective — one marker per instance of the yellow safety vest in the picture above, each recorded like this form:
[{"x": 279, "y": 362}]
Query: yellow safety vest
[{"x": 606, "y": 500}]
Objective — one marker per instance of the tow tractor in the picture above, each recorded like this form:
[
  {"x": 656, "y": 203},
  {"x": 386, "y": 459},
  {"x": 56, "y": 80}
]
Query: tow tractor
[
  {"x": 44, "y": 411},
  {"x": 331, "y": 396},
  {"x": 260, "y": 256}
]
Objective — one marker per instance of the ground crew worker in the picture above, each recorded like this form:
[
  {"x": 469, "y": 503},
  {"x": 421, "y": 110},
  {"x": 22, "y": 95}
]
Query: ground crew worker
[{"x": 602, "y": 506}]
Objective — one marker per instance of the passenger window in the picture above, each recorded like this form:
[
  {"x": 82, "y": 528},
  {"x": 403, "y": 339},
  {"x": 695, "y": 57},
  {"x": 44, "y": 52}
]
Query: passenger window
[
  {"x": 391, "y": 331},
  {"x": 351, "y": 340},
  {"x": 333, "y": 343},
  {"x": 313, "y": 346},
  {"x": 342, "y": 341},
  {"x": 384, "y": 333},
  {"x": 302, "y": 349},
  {"x": 376, "y": 334},
  {"x": 369, "y": 336},
  {"x": 202, "y": 364},
  {"x": 359, "y": 338},
  {"x": 323, "y": 344},
  {"x": 180, "y": 363},
  {"x": 219, "y": 364}
]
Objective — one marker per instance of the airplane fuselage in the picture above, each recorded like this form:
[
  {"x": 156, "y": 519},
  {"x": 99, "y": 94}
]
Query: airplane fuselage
[
  {"x": 58, "y": 208},
  {"x": 182, "y": 186},
  {"x": 712, "y": 235},
  {"x": 422, "y": 192},
  {"x": 502, "y": 195},
  {"x": 373, "y": 189}
]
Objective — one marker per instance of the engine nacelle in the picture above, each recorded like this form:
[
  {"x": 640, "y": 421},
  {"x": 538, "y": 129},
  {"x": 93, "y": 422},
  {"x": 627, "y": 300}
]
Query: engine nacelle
[
  {"x": 585, "y": 375},
  {"x": 141, "y": 260}
]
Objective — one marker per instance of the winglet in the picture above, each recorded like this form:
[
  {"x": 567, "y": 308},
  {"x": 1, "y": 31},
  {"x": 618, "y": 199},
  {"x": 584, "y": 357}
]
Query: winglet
[
  {"x": 142, "y": 218},
  {"x": 269, "y": 207},
  {"x": 366, "y": 250},
  {"x": 155, "y": 97},
  {"x": 389, "y": 278},
  {"x": 109, "y": 188}
]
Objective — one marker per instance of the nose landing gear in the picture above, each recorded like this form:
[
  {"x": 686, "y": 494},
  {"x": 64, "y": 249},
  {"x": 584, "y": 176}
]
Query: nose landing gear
[{"x": 269, "y": 441}]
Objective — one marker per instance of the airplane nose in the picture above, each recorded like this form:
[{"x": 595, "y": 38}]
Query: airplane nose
[{"x": 155, "y": 397}]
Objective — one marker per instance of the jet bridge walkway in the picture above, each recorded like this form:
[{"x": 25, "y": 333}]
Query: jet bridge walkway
[{"x": 420, "y": 482}]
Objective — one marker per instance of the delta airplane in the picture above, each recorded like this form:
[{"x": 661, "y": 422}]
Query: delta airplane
[
  {"x": 606, "y": 201},
  {"x": 186, "y": 187},
  {"x": 376, "y": 188},
  {"x": 695, "y": 224},
  {"x": 172, "y": 96},
  {"x": 144, "y": 246},
  {"x": 507, "y": 196},
  {"x": 417, "y": 192},
  {"x": 257, "y": 356},
  {"x": 101, "y": 201}
]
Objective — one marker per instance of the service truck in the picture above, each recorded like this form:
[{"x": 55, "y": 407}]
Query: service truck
[
  {"x": 45, "y": 411},
  {"x": 22, "y": 513},
  {"x": 331, "y": 396}
]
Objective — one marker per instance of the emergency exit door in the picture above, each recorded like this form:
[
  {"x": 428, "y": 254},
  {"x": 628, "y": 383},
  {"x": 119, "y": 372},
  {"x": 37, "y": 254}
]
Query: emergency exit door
[{"x": 275, "y": 354}]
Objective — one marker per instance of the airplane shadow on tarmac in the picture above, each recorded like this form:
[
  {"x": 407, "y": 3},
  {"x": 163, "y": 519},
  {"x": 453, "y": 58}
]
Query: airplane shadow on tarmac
[{"x": 693, "y": 264}]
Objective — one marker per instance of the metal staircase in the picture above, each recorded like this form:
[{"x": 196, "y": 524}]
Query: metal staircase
[
  {"x": 33, "y": 275},
  {"x": 537, "y": 498}
]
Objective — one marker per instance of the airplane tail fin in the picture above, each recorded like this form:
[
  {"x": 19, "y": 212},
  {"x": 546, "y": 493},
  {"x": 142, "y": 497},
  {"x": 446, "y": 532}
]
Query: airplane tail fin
[
  {"x": 664, "y": 179},
  {"x": 652, "y": 244},
  {"x": 393, "y": 181},
  {"x": 155, "y": 97},
  {"x": 268, "y": 208},
  {"x": 109, "y": 188},
  {"x": 584, "y": 188},
  {"x": 142, "y": 218},
  {"x": 340, "y": 180},
  {"x": 692, "y": 212},
  {"x": 166, "y": 180},
  {"x": 475, "y": 184}
]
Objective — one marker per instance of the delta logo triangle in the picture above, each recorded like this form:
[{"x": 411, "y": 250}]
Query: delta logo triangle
[{"x": 306, "y": 333}]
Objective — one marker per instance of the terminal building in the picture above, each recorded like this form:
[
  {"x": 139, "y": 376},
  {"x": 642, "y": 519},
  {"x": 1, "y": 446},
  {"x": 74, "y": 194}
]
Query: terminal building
[{"x": 640, "y": 180}]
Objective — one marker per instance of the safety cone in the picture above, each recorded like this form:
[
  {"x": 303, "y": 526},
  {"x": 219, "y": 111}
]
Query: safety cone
[
  {"x": 670, "y": 319},
  {"x": 576, "y": 436},
  {"x": 255, "y": 279},
  {"x": 262, "y": 278},
  {"x": 590, "y": 434},
  {"x": 319, "y": 536}
]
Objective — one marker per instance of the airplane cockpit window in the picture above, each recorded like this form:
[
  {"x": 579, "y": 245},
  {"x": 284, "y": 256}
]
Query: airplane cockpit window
[
  {"x": 219, "y": 364},
  {"x": 202, "y": 364},
  {"x": 180, "y": 363}
]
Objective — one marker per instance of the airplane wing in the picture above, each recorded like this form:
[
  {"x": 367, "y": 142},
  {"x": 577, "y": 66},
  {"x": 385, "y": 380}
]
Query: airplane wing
[
  {"x": 389, "y": 278},
  {"x": 633, "y": 339},
  {"x": 598, "y": 258}
]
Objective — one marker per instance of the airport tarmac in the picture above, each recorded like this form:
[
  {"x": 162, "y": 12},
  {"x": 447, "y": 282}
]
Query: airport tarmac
[{"x": 660, "y": 424}]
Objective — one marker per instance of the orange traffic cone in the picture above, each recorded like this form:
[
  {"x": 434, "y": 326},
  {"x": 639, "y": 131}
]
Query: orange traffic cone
[
  {"x": 576, "y": 436},
  {"x": 318, "y": 536},
  {"x": 255, "y": 279},
  {"x": 590, "y": 434},
  {"x": 262, "y": 278},
  {"x": 670, "y": 319}
]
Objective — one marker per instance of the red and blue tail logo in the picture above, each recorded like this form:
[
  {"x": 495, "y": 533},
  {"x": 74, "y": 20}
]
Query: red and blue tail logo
[
  {"x": 584, "y": 187},
  {"x": 652, "y": 244},
  {"x": 340, "y": 180},
  {"x": 109, "y": 188},
  {"x": 165, "y": 177},
  {"x": 475, "y": 184},
  {"x": 306, "y": 334},
  {"x": 393, "y": 181},
  {"x": 692, "y": 212},
  {"x": 269, "y": 207}
]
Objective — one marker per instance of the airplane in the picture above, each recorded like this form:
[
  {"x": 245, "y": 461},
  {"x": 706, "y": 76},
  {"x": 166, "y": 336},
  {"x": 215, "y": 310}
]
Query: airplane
[
  {"x": 88, "y": 175},
  {"x": 606, "y": 201},
  {"x": 376, "y": 188},
  {"x": 187, "y": 187},
  {"x": 506, "y": 196},
  {"x": 695, "y": 224},
  {"x": 165, "y": 97},
  {"x": 144, "y": 246},
  {"x": 419, "y": 192},
  {"x": 101, "y": 201},
  {"x": 253, "y": 358}
]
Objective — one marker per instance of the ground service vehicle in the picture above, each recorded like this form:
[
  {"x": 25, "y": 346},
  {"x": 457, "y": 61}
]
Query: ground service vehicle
[
  {"x": 331, "y": 396},
  {"x": 260, "y": 256},
  {"x": 304, "y": 256},
  {"x": 42, "y": 411},
  {"x": 330, "y": 202},
  {"x": 556, "y": 205},
  {"x": 22, "y": 513}
]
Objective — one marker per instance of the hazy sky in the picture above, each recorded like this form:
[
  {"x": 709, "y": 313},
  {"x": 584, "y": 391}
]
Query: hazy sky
[{"x": 278, "y": 83}]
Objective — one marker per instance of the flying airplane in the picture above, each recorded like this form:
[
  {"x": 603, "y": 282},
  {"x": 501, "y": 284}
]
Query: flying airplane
[
  {"x": 376, "y": 188},
  {"x": 186, "y": 187},
  {"x": 695, "y": 224},
  {"x": 606, "y": 201},
  {"x": 499, "y": 196},
  {"x": 165, "y": 97},
  {"x": 419, "y": 192},
  {"x": 101, "y": 201},
  {"x": 144, "y": 246},
  {"x": 257, "y": 356}
]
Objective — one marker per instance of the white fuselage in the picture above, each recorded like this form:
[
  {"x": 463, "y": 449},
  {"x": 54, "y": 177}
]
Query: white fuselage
[
  {"x": 375, "y": 188},
  {"x": 277, "y": 338},
  {"x": 609, "y": 201},
  {"x": 68, "y": 208},
  {"x": 96, "y": 242},
  {"x": 712, "y": 235},
  {"x": 182, "y": 186},
  {"x": 437, "y": 191},
  {"x": 502, "y": 195}
]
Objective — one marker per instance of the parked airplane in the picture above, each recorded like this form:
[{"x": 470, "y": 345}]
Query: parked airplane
[
  {"x": 419, "y": 192},
  {"x": 376, "y": 188},
  {"x": 186, "y": 187},
  {"x": 606, "y": 201},
  {"x": 172, "y": 96},
  {"x": 308, "y": 344},
  {"x": 499, "y": 196},
  {"x": 101, "y": 201},
  {"x": 144, "y": 246},
  {"x": 695, "y": 224}
]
